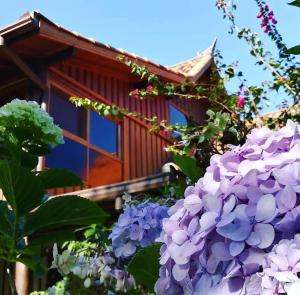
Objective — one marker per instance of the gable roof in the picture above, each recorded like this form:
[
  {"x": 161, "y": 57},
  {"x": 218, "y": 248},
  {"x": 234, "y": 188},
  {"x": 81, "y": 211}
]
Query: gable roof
[
  {"x": 35, "y": 22},
  {"x": 195, "y": 67}
]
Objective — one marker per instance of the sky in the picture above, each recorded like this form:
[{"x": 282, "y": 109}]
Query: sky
[{"x": 165, "y": 31}]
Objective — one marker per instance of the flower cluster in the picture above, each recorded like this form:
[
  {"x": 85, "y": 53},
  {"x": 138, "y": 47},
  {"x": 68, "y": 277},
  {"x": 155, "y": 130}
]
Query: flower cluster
[
  {"x": 27, "y": 115},
  {"x": 93, "y": 270},
  {"x": 282, "y": 268},
  {"x": 241, "y": 97},
  {"x": 139, "y": 226},
  {"x": 267, "y": 17},
  {"x": 217, "y": 236}
]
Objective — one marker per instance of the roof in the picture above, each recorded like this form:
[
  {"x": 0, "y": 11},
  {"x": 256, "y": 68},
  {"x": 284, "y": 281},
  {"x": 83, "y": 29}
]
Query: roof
[
  {"x": 196, "y": 66},
  {"x": 37, "y": 22}
]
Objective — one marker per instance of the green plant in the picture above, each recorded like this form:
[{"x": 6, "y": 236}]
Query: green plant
[{"x": 29, "y": 219}]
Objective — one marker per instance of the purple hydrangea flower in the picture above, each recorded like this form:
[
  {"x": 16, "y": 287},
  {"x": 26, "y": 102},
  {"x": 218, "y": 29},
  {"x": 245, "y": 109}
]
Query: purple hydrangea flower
[
  {"x": 138, "y": 226},
  {"x": 281, "y": 269},
  {"x": 216, "y": 237}
]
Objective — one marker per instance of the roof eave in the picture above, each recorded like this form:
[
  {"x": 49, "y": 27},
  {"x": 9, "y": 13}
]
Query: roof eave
[{"x": 20, "y": 28}]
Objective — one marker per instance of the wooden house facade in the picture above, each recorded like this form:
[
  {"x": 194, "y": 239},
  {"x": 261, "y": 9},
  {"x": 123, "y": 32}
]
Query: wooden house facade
[{"x": 42, "y": 61}]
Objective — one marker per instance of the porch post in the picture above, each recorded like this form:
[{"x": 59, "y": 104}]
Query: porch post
[{"x": 22, "y": 279}]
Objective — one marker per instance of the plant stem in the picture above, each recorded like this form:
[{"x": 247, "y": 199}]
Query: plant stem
[{"x": 11, "y": 281}]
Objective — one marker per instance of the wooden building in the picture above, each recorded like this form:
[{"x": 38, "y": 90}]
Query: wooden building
[{"x": 42, "y": 60}]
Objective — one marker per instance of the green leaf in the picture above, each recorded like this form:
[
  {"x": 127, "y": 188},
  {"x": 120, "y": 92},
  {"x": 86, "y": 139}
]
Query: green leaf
[
  {"x": 37, "y": 150},
  {"x": 144, "y": 266},
  {"x": 64, "y": 211},
  {"x": 294, "y": 50},
  {"x": 189, "y": 167},
  {"x": 57, "y": 178},
  {"x": 34, "y": 263},
  {"x": 22, "y": 190},
  {"x": 6, "y": 219},
  {"x": 295, "y": 3},
  {"x": 28, "y": 160},
  {"x": 49, "y": 238}
]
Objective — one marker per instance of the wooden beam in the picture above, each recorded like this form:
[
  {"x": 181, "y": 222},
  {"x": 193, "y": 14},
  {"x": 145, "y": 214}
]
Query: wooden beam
[
  {"x": 112, "y": 191},
  {"x": 59, "y": 56},
  {"x": 22, "y": 65}
]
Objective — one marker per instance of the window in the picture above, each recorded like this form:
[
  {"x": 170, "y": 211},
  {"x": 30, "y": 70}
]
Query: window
[
  {"x": 91, "y": 142},
  {"x": 67, "y": 115},
  {"x": 103, "y": 133},
  {"x": 70, "y": 155},
  {"x": 177, "y": 117}
]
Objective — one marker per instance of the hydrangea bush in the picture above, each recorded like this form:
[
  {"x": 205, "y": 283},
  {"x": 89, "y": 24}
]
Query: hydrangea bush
[
  {"x": 139, "y": 226},
  {"x": 30, "y": 117},
  {"x": 217, "y": 237},
  {"x": 95, "y": 270}
]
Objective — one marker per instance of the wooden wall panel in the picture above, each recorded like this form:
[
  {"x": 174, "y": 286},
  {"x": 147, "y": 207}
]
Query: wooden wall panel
[{"x": 142, "y": 153}]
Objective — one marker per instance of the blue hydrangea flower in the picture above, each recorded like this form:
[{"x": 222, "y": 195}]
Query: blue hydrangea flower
[{"x": 138, "y": 226}]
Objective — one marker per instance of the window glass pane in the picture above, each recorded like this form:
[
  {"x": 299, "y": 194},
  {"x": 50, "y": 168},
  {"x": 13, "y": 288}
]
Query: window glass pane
[
  {"x": 71, "y": 156},
  {"x": 103, "y": 133},
  {"x": 67, "y": 115},
  {"x": 176, "y": 116},
  {"x": 103, "y": 169}
]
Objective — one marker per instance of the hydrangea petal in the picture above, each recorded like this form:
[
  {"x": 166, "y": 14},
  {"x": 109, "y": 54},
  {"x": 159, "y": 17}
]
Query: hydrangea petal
[{"x": 266, "y": 207}]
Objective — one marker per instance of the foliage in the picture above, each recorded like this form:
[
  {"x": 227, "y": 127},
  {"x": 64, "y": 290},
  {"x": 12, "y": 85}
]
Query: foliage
[
  {"x": 145, "y": 266},
  {"x": 26, "y": 132},
  {"x": 94, "y": 267}
]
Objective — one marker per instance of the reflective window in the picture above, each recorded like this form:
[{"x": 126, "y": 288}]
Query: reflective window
[
  {"x": 67, "y": 115},
  {"x": 71, "y": 156},
  {"x": 103, "y": 169},
  {"x": 177, "y": 116},
  {"x": 103, "y": 133}
]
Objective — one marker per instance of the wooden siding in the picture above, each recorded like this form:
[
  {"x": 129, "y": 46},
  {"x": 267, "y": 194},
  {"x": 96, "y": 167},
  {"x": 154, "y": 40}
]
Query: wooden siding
[{"x": 142, "y": 153}]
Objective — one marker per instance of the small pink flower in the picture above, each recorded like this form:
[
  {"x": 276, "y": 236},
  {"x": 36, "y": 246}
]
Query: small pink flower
[
  {"x": 135, "y": 93},
  {"x": 149, "y": 88},
  {"x": 283, "y": 78},
  {"x": 266, "y": 30},
  {"x": 240, "y": 102},
  {"x": 259, "y": 15},
  {"x": 274, "y": 21},
  {"x": 267, "y": 8}
]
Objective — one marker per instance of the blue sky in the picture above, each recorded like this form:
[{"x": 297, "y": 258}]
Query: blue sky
[{"x": 166, "y": 31}]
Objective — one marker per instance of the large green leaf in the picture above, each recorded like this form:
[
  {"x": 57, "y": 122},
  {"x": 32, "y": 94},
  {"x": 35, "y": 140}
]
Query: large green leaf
[
  {"x": 294, "y": 50},
  {"x": 35, "y": 263},
  {"x": 22, "y": 190},
  {"x": 57, "y": 178},
  {"x": 295, "y": 3},
  {"x": 6, "y": 219},
  {"x": 49, "y": 238},
  {"x": 144, "y": 266},
  {"x": 189, "y": 167},
  {"x": 64, "y": 211}
]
